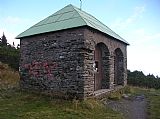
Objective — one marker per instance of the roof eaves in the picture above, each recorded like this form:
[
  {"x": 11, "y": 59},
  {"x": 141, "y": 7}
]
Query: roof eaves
[{"x": 89, "y": 23}]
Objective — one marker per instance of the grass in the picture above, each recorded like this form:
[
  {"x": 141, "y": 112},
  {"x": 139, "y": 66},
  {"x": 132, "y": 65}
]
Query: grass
[
  {"x": 117, "y": 95},
  {"x": 21, "y": 105},
  {"x": 153, "y": 97},
  {"x": 8, "y": 77},
  {"x": 154, "y": 107},
  {"x": 17, "y": 104}
]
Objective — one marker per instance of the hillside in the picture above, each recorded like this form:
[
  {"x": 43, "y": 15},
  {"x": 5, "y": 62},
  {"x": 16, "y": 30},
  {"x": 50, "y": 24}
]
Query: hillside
[
  {"x": 16, "y": 104},
  {"x": 8, "y": 77},
  {"x": 10, "y": 55},
  {"x": 137, "y": 78}
]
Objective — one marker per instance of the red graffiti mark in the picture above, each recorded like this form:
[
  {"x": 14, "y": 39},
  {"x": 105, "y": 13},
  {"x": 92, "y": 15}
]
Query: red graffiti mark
[{"x": 40, "y": 68}]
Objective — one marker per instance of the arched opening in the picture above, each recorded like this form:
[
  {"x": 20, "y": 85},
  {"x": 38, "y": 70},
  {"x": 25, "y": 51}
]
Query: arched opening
[
  {"x": 118, "y": 67},
  {"x": 101, "y": 57}
]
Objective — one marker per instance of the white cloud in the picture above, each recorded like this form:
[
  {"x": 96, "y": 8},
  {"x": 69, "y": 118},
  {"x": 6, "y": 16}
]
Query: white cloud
[
  {"x": 12, "y": 26},
  {"x": 141, "y": 36},
  {"x": 143, "y": 53},
  {"x": 11, "y": 20},
  {"x": 124, "y": 23}
]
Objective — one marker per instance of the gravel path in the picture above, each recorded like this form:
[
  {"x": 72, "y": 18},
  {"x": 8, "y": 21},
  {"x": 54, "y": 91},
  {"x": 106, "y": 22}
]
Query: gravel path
[{"x": 134, "y": 108}]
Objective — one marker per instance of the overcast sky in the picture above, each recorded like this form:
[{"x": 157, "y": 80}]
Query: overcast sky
[{"x": 137, "y": 21}]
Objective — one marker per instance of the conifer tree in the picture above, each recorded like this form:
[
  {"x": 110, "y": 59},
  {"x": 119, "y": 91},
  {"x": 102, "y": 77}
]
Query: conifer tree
[{"x": 4, "y": 40}]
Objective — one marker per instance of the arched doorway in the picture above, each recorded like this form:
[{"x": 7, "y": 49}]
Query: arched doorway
[
  {"x": 101, "y": 57},
  {"x": 118, "y": 67}
]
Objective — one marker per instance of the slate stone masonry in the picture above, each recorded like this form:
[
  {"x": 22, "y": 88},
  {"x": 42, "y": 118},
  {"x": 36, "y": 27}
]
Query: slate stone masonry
[
  {"x": 61, "y": 63},
  {"x": 92, "y": 38}
]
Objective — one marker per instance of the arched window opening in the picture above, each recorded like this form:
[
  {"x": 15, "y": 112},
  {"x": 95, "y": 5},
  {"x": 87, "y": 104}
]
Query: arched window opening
[
  {"x": 118, "y": 67},
  {"x": 101, "y": 57}
]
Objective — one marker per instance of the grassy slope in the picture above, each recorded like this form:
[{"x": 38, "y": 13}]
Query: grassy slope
[
  {"x": 153, "y": 97},
  {"x": 154, "y": 104},
  {"x": 15, "y": 104},
  {"x": 8, "y": 77}
]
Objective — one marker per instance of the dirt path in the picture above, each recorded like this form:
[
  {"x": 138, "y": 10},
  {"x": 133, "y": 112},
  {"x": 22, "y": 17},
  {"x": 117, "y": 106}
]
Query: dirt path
[{"x": 134, "y": 108}]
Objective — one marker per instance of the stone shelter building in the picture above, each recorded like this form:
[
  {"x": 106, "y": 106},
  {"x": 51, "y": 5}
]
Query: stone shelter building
[{"x": 71, "y": 53}]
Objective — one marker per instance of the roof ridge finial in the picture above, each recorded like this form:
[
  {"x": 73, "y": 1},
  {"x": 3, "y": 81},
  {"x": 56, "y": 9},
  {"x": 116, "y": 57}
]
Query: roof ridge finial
[{"x": 80, "y": 4}]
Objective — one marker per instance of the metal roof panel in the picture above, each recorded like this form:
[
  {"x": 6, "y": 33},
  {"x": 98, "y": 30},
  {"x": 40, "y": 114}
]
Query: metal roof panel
[{"x": 68, "y": 17}]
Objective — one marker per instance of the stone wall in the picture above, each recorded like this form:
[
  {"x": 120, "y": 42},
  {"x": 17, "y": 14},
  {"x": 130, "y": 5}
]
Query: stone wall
[
  {"x": 92, "y": 38},
  {"x": 61, "y": 63},
  {"x": 53, "y": 62}
]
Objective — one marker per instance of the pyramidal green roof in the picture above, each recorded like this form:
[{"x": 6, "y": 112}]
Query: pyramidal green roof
[{"x": 68, "y": 17}]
